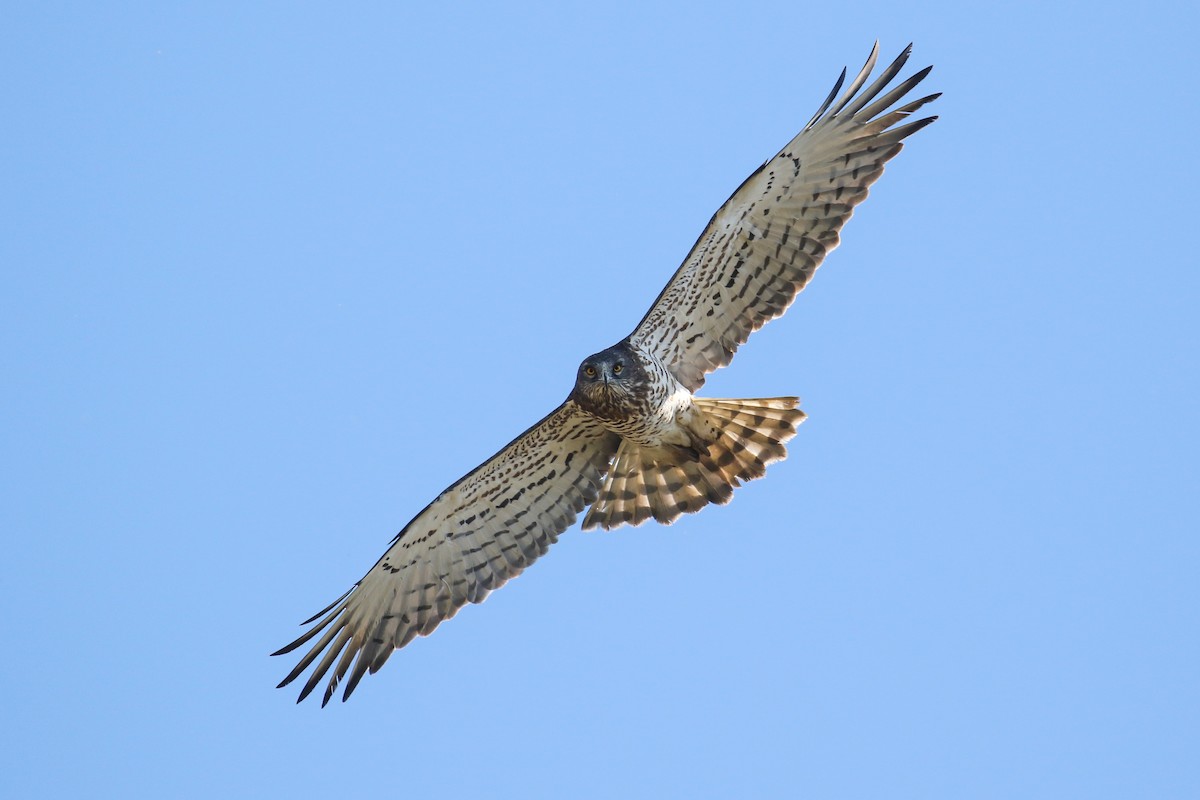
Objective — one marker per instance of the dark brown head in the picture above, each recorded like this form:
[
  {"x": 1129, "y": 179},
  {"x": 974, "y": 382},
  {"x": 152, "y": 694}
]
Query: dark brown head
[{"x": 607, "y": 382}]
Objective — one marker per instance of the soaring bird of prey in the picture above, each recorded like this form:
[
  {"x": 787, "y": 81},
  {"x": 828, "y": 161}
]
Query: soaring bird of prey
[{"x": 632, "y": 441}]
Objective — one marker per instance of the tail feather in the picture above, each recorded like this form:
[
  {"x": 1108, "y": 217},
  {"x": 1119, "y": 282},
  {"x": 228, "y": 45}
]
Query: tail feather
[
  {"x": 640, "y": 486},
  {"x": 622, "y": 485}
]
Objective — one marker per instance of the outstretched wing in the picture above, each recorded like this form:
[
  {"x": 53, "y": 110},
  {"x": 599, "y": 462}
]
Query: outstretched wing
[
  {"x": 763, "y": 245},
  {"x": 479, "y": 533}
]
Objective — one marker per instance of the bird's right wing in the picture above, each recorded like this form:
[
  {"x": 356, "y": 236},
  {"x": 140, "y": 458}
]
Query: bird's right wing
[
  {"x": 762, "y": 246},
  {"x": 479, "y": 533}
]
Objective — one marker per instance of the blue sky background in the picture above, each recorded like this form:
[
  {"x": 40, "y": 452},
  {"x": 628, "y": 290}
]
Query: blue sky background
[{"x": 275, "y": 275}]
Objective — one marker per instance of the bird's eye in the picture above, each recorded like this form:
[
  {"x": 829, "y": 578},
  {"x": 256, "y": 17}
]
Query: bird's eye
[
  {"x": 617, "y": 369},
  {"x": 589, "y": 371}
]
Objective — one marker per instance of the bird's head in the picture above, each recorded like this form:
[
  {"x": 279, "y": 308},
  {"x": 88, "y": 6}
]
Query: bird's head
[{"x": 606, "y": 379}]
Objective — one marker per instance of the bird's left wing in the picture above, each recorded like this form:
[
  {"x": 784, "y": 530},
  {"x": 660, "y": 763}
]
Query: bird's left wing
[
  {"x": 762, "y": 246},
  {"x": 479, "y": 533}
]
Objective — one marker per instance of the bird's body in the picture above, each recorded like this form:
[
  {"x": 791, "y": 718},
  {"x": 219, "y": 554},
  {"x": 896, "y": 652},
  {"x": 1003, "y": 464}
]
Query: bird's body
[
  {"x": 632, "y": 441},
  {"x": 677, "y": 452}
]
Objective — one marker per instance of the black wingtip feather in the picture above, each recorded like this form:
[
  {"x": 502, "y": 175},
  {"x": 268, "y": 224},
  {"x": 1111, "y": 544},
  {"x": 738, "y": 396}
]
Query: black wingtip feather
[
  {"x": 904, "y": 131},
  {"x": 329, "y": 607},
  {"x": 833, "y": 93}
]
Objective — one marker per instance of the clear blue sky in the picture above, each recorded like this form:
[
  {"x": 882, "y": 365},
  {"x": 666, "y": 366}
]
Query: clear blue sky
[{"x": 275, "y": 276}]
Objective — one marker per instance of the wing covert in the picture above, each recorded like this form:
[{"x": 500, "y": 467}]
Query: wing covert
[
  {"x": 763, "y": 245},
  {"x": 478, "y": 534}
]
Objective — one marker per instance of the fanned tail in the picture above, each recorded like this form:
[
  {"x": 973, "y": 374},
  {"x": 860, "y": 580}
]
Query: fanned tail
[{"x": 641, "y": 485}]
